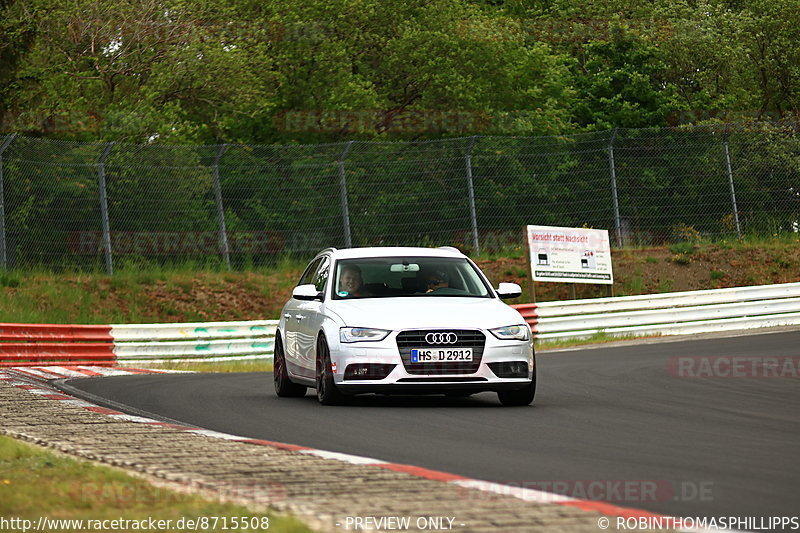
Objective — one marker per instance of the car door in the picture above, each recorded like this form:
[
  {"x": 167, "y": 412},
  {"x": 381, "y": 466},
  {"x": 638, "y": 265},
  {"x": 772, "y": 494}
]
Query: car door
[
  {"x": 309, "y": 318},
  {"x": 291, "y": 324}
]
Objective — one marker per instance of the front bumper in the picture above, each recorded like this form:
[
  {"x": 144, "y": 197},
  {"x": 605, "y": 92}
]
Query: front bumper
[
  {"x": 431, "y": 388},
  {"x": 386, "y": 354}
]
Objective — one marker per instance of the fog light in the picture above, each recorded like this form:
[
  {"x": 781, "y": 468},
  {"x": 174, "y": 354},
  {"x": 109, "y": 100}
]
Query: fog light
[
  {"x": 367, "y": 371},
  {"x": 510, "y": 369}
]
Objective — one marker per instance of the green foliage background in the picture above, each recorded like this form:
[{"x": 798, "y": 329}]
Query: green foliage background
[
  {"x": 173, "y": 71},
  {"x": 274, "y": 92}
]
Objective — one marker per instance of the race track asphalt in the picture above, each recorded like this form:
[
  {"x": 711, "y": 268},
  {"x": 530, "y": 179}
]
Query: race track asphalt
[{"x": 609, "y": 423}]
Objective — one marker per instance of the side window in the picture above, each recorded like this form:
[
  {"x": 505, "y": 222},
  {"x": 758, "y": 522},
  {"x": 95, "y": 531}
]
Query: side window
[
  {"x": 308, "y": 275},
  {"x": 323, "y": 272}
]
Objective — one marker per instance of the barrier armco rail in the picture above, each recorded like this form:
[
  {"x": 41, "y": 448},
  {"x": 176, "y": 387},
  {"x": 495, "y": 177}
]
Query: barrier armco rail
[
  {"x": 74, "y": 345},
  {"x": 37, "y": 344},
  {"x": 676, "y": 313}
]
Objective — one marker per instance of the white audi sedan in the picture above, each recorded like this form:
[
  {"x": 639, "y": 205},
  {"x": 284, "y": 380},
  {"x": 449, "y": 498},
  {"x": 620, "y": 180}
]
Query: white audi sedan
[{"x": 405, "y": 321}]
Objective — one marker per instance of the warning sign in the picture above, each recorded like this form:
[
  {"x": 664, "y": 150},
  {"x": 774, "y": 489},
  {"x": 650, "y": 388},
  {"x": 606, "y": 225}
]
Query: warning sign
[{"x": 570, "y": 255}]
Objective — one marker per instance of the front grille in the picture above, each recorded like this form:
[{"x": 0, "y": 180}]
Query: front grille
[{"x": 467, "y": 338}]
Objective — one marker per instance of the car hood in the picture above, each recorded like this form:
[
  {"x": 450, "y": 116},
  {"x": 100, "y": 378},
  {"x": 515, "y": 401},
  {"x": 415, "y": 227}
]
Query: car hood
[{"x": 426, "y": 312}]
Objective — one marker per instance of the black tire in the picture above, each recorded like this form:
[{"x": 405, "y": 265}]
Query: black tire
[
  {"x": 284, "y": 387},
  {"x": 523, "y": 396},
  {"x": 327, "y": 393}
]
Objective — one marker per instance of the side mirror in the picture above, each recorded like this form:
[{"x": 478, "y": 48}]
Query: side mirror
[
  {"x": 306, "y": 292},
  {"x": 506, "y": 291}
]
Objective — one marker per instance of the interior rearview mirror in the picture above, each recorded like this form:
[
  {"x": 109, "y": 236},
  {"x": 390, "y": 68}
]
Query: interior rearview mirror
[{"x": 403, "y": 267}]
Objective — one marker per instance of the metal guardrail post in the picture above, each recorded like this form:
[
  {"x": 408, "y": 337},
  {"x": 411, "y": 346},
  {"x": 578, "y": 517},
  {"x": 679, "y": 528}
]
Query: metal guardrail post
[
  {"x": 614, "y": 196},
  {"x": 223, "y": 233},
  {"x": 730, "y": 185},
  {"x": 348, "y": 240},
  {"x": 471, "y": 190},
  {"x": 101, "y": 177},
  {"x": 3, "y": 259}
]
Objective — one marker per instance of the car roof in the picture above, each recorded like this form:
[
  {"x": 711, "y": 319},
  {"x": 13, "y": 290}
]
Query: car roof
[{"x": 393, "y": 251}]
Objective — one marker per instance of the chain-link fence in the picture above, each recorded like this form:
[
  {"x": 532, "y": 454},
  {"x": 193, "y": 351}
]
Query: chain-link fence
[{"x": 105, "y": 205}]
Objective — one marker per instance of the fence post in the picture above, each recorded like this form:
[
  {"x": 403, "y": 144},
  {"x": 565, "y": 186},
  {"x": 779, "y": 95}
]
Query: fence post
[
  {"x": 223, "y": 233},
  {"x": 3, "y": 259},
  {"x": 348, "y": 241},
  {"x": 101, "y": 178},
  {"x": 730, "y": 184},
  {"x": 471, "y": 190},
  {"x": 615, "y": 198}
]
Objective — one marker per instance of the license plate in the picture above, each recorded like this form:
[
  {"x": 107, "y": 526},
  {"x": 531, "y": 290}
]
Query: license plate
[{"x": 440, "y": 355}]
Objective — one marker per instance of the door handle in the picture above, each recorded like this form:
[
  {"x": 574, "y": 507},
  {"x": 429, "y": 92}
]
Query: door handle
[
  {"x": 299, "y": 317},
  {"x": 287, "y": 316}
]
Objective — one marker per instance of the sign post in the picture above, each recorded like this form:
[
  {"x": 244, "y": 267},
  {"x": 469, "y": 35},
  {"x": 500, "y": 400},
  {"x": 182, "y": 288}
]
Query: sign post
[{"x": 532, "y": 284}]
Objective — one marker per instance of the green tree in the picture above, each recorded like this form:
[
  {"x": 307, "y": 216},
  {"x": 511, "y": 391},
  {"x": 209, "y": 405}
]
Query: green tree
[
  {"x": 620, "y": 83},
  {"x": 140, "y": 70},
  {"x": 439, "y": 56}
]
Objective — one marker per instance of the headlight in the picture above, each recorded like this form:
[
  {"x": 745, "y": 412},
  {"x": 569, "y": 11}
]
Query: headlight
[
  {"x": 508, "y": 333},
  {"x": 362, "y": 334}
]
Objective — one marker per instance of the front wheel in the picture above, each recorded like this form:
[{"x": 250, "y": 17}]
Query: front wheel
[
  {"x": 327, "y": 393},
  {"x": 523, "y": 396},
  {"x": 284, "y": 387}
]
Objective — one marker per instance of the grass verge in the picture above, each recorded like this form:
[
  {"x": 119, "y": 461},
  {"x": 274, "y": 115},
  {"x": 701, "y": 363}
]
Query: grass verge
[
  {"x": 195, "y": 292},
  {"x": 38, "y": 483},
  {"x": 256, "y": 365},
  {"x": 601, "y": 337}
]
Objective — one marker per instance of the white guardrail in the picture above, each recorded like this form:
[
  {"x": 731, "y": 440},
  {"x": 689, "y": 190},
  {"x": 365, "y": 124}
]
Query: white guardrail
[
  {"x": 676, "y": 313},
  {"x": 211, "y": 341}
]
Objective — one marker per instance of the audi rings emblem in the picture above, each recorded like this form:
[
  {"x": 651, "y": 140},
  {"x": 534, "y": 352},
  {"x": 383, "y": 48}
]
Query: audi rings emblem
[{"x": 441, "y": 338}]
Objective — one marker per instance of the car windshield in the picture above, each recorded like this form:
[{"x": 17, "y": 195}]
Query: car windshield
[{"x": 382, "y": 277}]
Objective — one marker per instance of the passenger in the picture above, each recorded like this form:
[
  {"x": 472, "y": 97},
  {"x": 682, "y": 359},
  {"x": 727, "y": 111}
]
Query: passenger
[{"x": 435, "y": 280}]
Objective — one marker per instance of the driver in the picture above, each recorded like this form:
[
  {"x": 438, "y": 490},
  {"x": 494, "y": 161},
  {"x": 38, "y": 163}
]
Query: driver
[
  {"x": 437, "y": 279},
  {"x": 350, "y": 281}
]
